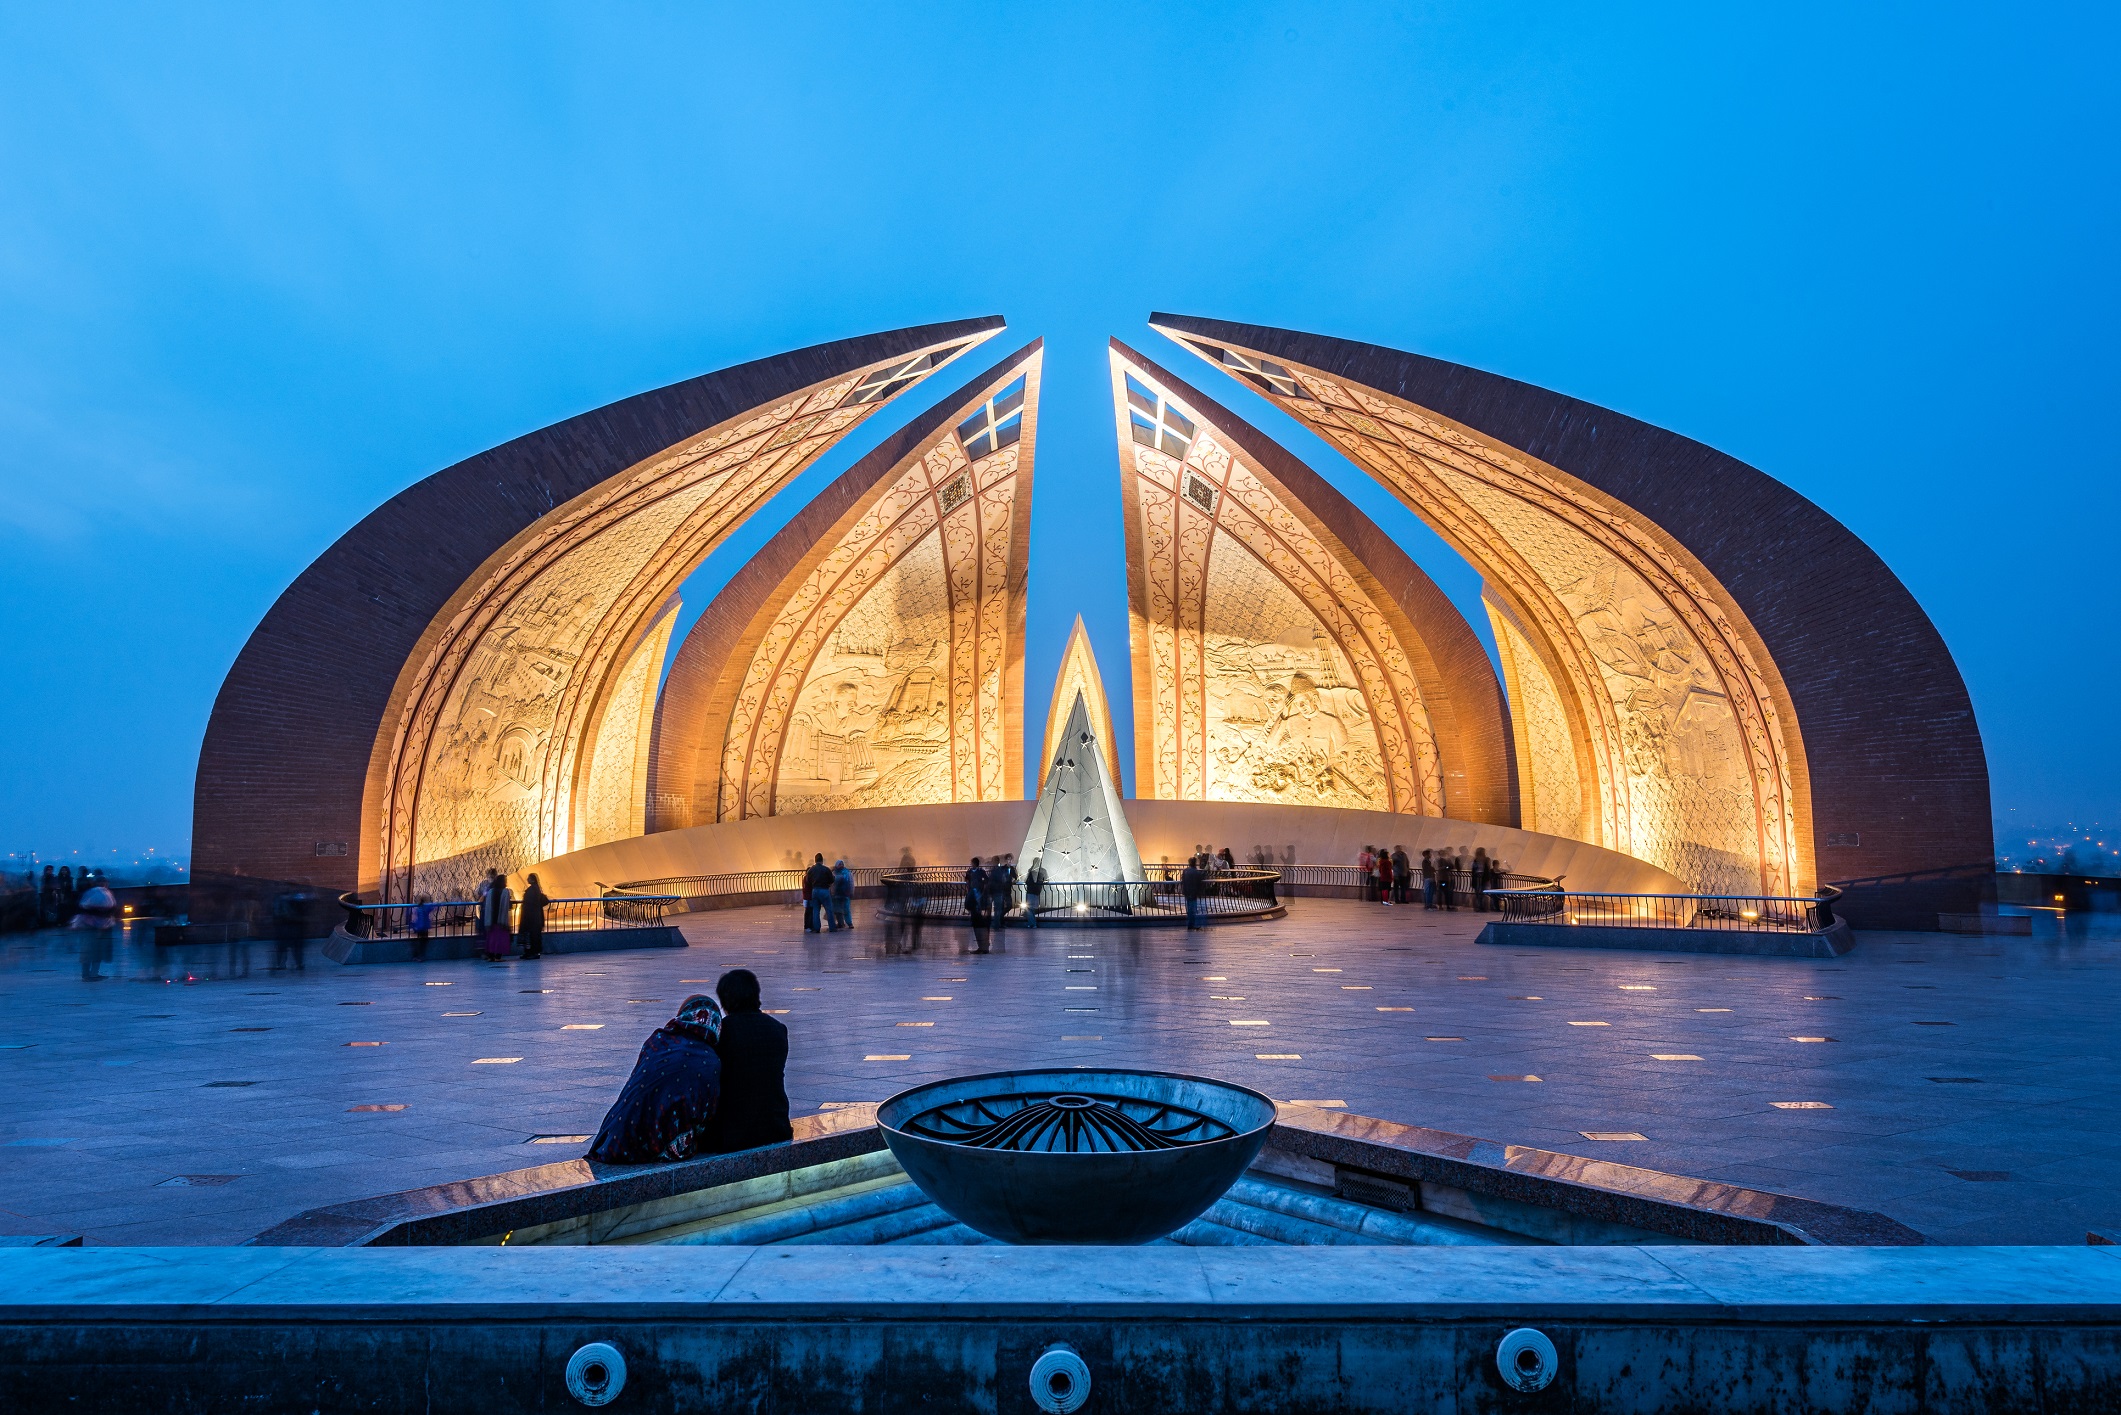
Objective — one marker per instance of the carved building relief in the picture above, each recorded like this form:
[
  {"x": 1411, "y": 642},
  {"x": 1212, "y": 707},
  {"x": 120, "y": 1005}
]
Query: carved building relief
[
  {"x": 1264, "y": 670},
  {"x": 890, "y": 673},
  {"x": 1675, "y": 748},
  {"x": 486, "y": 754}
]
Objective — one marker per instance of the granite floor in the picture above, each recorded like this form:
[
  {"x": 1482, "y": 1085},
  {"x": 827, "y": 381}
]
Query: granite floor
[{"x": 1964, "y": 1086}]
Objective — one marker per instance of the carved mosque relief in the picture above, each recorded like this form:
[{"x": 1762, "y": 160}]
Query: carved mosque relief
[
  {"x": 884, "y": 678},
  {"x": 488, "y": 729},
  {"x": 1270, "y": 674},
  {"x": 615, "y": 805},
  {"x": 1610, "y": 630}
]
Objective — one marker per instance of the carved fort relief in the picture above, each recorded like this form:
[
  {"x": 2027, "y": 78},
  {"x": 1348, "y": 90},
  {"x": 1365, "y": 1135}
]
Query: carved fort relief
[
  {"x": 1271, "y": 674},
  {"x": 485, "y": 750},
  {"x": 883, "y": 677},
  {"x": 1664, "y": 705}
]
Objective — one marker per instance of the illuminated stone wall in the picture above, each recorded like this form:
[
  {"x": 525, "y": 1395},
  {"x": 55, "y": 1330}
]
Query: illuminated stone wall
[
  {"x": 1264, "y": 669},
  {"x": 487, "y": 758},
  {"x": 873, "y": 657},
  {"x": 615, "y": 797},
  {"x": 1677, "y": 749}
]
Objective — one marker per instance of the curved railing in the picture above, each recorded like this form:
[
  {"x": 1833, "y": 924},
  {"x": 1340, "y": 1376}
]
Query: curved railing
[
  {"x": 456, "y": 918},
  {"x": 938, "y": 892},
  {"x": 785, "y": 886},
  {"x": 1735, "y": 913}
]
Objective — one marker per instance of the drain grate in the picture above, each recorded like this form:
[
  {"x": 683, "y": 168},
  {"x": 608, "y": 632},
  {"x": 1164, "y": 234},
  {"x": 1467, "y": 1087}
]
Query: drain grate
[
  {"x": 231, "y": 1083},
  {"x": 1980, "y": 1176},
  {"x": 197, "y": 1181}
]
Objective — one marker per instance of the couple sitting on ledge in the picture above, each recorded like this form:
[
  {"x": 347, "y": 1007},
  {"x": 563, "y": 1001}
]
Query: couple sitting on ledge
[{"x": 708, "y": 1081}]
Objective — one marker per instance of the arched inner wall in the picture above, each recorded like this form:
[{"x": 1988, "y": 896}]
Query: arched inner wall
[
  {"x": 490, "y": 718},
  {"x": 1675, "y": 728},
  {"x": 1272, "y": 675},
  {"x": 892, "y": 673}
]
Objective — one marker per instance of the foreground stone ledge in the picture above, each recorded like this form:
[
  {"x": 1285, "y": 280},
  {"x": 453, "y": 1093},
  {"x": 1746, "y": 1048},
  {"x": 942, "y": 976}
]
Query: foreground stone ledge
[
  {"x": 491, "y": 1330},
  {"x": 1811, "y": 1286}
]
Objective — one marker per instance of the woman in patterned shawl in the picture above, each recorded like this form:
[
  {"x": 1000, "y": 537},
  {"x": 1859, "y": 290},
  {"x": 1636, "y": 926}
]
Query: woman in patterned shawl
[{"x": 664, "y": 1110}]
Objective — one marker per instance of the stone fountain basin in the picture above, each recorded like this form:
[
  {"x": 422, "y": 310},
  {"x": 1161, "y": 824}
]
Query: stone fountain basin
[{"x": 1050, "y": 1196}]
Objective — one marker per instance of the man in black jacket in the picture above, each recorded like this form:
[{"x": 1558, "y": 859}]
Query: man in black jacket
[
  {"x": 754, "y": 1050},
  {"x": 817, "y": 895}
]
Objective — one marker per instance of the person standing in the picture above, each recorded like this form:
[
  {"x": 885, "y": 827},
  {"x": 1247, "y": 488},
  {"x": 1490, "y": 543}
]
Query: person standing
[
  {"x": 500, "y": 913},
  {"x": 1001, "y": 888},
  {"x": 817, "y": 895},
  {"x": 48, "y": 899},
  {"x": 842, "y": 896},
  {"x": 423, "y": 922},
  {"x": 976, "y": 904},
  {"x": 1190, "y": 880},
  {"x": 530, "y": 928},
  {"x": 1402, "y": 878},
  {"x": 97, "y": 916},
  {"x": 1384, "y": 877},
  {"x": 1483, "y": 879},
  {"x": 1444, "y": 882},
  {"x": 1366, "y": 863},
  {"x": 753, "y": 1049},
  {"x": 1428, "y": 879},
  {"x": 290, "y": 930},
  {"x": 1034, "y": 885}
]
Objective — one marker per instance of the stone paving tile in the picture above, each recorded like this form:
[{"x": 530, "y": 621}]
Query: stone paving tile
[{"x": 2026, "y": 1014}]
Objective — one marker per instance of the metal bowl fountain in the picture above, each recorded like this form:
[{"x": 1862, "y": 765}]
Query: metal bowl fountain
[{"x": 1075, "y": 1156}]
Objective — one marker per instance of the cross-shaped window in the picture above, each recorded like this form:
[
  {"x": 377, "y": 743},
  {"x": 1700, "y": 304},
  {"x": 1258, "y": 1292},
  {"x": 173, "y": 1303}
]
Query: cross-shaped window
[
  {"x": 996, "y": 425},
  {"x": 879, "y": 384},
  {"x": 1264, "y": 374},
  {"x": 1155, "y": 423}
]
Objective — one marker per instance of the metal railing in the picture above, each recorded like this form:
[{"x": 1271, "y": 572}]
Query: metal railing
[
  {"x": 786, "y": 886},
  {"x": 457, "y": 918},
  {"x": 939, "y": 892},
  {"x": 1736, "y": 913}
]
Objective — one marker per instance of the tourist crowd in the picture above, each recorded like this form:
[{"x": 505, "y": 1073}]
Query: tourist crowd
[{"x": 1442, "y": 881}]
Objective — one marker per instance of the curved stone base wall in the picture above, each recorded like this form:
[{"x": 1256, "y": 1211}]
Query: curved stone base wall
[{"x": 948, "y": 834}]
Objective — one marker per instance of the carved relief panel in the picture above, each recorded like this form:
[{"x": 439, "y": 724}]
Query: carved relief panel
[
  {"x": 486, "y": 752},
  {"x": 1270, "y": 673},
  {"x": 884, "y": 677},
  {"x": 1608, "y": 636}
]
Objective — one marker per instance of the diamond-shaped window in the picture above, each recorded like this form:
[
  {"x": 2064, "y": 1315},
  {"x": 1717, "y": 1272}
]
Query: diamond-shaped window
[{"x": 1153, "y": 422}]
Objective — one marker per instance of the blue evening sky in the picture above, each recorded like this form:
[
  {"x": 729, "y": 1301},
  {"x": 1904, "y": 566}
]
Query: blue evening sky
[{"x": 263, "y": 266}]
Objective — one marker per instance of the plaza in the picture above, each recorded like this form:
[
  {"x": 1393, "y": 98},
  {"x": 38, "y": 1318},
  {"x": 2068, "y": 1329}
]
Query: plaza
[{"x": 1966, "y": 1076}]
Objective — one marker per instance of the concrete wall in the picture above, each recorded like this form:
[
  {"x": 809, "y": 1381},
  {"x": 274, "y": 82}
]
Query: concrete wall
[
  {"x": 491, "y": 1330},
  {"x": 1308, "y": 835}
]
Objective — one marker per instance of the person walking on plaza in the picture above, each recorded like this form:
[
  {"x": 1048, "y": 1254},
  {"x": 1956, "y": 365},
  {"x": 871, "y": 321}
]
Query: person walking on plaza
[
  {"x": 666, "y": 1109},
  {"x": 842, "y": 896},
  {"x": 1366, "y": 863},
  {"x": 1190, "y": 880},
  {"x": 97, "y": 916},
  {"x": 290, "y": 930},
  {"x": 422, "y": 922},
  {"x": 530, "y": 926},
  {"x": 500, "y": 914},
  {"x": 753, "y": 1049},
  {"x": 1001, "y": 889},
  {"x": 817, "y": 895},
  {"x": 1034, "y": 886},
  {"x": 976, "y": 904}
]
